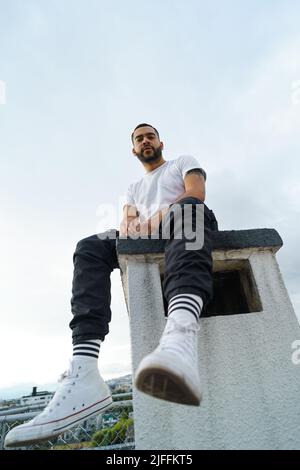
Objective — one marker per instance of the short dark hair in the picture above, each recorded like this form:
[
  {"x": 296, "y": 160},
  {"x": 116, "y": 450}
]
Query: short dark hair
[{"x": 144, "y": 124}]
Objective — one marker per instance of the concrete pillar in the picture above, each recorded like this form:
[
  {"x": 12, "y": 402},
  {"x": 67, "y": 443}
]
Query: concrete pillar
[{"x": 250, "y": 384}]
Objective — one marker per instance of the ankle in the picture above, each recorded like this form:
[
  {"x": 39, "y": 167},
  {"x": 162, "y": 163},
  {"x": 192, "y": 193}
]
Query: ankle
[
  {"x": 185, "y": 309},
  {"x": 88, "y": 350}
]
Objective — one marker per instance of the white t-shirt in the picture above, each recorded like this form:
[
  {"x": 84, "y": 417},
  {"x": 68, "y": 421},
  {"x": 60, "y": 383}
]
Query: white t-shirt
[{"x": 161, "y": 187}]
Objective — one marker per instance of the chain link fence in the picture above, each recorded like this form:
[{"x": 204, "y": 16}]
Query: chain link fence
[{"x": 111, "y": 430}]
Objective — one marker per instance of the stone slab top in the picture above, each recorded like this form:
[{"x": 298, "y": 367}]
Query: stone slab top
[{"x": 221, "y": 240}]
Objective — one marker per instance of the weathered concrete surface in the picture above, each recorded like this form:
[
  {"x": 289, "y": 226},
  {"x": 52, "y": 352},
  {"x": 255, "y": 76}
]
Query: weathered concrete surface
[{"x": 250, "y": 384}]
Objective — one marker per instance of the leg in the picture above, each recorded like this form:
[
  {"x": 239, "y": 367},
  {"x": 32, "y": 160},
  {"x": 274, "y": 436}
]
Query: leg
[
  {"x": 94, "y": 260},
  {"x": 189, "y": 271},
  {"x": 82, "y": 392},
  {"x": 171, "y": 372}
]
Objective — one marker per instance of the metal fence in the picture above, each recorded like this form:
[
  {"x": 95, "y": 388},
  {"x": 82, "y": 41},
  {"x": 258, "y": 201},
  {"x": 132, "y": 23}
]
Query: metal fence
[{"x": 111, "y": 430}]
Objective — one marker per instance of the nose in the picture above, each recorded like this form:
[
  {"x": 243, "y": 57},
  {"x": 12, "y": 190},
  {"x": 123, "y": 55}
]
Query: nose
[{"x": 145, "y": 141}]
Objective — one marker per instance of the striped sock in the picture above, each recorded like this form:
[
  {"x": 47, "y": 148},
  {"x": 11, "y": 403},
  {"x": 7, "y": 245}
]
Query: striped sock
[
  {"x": 185, "y": 308},
  {"x": 89, "y": 348}
]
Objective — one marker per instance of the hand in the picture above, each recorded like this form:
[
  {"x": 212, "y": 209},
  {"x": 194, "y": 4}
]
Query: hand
[
  {"x": 130, "y": 227},
  {"x": 124, "y": 228},
  {"x": 125, "y": 224},
  {"x": 134, "y": 227},
  {"x": 137, "y": 229},
  {"x": 144, "y": 229}
]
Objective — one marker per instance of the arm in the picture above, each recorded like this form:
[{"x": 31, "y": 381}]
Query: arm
[
  {"x": 130, "y": 213},
  {"x": 194, "y": 183}
]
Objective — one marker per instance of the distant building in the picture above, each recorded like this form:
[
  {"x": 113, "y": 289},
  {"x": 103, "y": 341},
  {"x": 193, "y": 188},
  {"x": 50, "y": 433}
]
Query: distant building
[{"x": 36, "y": 398}]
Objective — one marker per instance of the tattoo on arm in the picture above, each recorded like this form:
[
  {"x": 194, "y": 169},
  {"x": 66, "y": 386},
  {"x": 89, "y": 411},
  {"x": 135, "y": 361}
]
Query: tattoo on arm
[{"x": 197, "y": 171}]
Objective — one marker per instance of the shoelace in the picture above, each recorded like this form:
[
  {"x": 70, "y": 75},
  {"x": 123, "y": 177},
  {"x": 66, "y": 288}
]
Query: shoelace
[
  {"x": 67, "y": 373},
  {"x": 180, "y": 339},
  {"x": 67, "y": 377}
]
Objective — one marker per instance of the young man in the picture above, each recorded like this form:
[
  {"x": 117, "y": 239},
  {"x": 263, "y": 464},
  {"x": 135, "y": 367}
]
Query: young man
[{"x": 171, "y": 371}]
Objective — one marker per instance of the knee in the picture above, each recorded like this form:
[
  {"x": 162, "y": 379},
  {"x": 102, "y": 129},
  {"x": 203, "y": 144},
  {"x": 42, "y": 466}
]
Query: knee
[
  {"x": 190, "y": 200},
  {"x": 85, "y": 244},
  {"x": 99, "y": 242}
]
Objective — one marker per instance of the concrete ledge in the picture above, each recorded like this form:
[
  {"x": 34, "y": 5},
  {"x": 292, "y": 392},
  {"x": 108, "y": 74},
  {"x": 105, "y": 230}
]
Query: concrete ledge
[
  {"x": 250, "y": 384},
  {"x": 221, "y": 240}
]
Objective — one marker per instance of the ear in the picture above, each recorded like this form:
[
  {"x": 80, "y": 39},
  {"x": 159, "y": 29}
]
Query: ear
[
  {"x": 134, "y": 152},
  {"x": 162, "y": 145}
]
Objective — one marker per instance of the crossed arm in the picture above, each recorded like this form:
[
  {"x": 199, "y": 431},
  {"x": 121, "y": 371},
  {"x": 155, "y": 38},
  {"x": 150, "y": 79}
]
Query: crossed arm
[{"x": 194, "y": 184}]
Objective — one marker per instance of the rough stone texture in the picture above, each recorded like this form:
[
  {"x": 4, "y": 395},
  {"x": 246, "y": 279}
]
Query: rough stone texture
[
  {"x": 225, "y": 239},
  {"x": 250, "y": 385}
]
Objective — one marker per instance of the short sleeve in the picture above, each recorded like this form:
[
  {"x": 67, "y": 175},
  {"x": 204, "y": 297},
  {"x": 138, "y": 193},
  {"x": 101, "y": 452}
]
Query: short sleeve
[{"x": 188, "y": 162}]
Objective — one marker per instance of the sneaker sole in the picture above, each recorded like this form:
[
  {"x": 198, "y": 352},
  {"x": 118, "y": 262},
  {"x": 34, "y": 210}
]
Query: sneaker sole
[
  {"x": 56, "y": 432},
  {"x": 163, "y": 384}
]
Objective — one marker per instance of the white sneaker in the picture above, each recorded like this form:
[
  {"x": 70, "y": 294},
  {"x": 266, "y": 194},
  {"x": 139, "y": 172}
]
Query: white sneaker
[
  {"x": 171, "y": 372},
  {"x": 81, "y": 394}
]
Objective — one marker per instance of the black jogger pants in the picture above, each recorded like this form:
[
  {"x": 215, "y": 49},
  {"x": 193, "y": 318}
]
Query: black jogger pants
[{"x": 186, "y": 271}]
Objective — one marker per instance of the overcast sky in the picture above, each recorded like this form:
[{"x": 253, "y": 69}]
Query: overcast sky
[{"x": 219, "y": 79}]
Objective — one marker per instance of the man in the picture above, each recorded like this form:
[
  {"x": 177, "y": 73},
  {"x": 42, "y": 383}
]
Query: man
[{"x": 171, "y": 371}]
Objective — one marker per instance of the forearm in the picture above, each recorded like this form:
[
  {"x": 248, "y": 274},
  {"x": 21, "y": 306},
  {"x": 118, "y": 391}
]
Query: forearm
[
  {"x": 154, "y": 221},
  {"x": 126, "y": 221}
]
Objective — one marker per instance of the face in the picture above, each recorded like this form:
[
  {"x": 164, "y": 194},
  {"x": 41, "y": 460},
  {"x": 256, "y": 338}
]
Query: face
[{"x": 146, "y": 145}]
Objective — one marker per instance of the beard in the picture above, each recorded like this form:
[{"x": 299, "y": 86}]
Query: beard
[{"x": 155, "y": 157}]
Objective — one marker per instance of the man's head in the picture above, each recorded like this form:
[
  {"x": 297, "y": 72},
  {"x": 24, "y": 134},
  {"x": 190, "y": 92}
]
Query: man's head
[{"x": 146, "y": 143}]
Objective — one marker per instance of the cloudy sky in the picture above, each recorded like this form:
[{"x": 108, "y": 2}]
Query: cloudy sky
[{"x": 219, "y": 79}]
